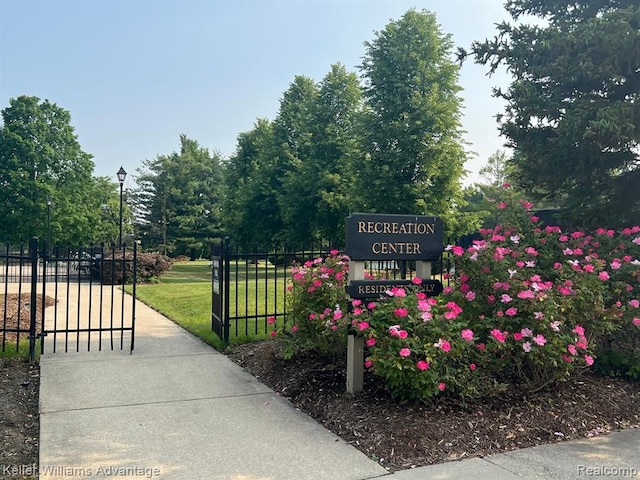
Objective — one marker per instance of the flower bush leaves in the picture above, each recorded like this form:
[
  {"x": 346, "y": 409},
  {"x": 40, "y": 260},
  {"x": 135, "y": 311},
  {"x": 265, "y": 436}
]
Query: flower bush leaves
[{"x": 527, "y": 307}]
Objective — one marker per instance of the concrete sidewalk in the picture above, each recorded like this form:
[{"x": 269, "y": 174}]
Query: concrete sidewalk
[{"x": 177, "y": 409}]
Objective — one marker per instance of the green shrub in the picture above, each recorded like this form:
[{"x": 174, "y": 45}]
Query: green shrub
[
  {"x": 529, "y": 306},
  {"x": 150, "y": 266},
  {"x": 316, "y": 304}
]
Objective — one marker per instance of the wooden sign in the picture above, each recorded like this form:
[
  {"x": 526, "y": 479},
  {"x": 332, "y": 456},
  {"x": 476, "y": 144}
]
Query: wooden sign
[
  {"x": 372, "y": 236},
  {"x": 362, "y": 289}
]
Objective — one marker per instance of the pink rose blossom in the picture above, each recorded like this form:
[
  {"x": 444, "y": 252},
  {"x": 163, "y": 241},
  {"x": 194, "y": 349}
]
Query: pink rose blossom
[
  {"x": 422, "y": 365},
  {"x": 572, "y": 349},
  {"x": 588, "y": 359},
  {"x": 471, "y": 296},
  {"x": 404, "y": 352},
  {"x": 445, "y": 346},
  {"x": 603, "y": 275},
  {"x": 271, "y": 320},
  {"x": 442, "y": 386},
  {"x": 416, "y": 280},
  {"x": 498, "y": 335},
  {"x": 467, "y": 335},
  {"x": 526, "y": 294},
  {"x": 368, "y": 363},
  {"x": 634, "y": 303},
  {"x": 424, "y": 306},
  {"x": 636, "y": 322},
  {"x": 371, "y": 342},
  {"x": 505, "y": 298},
  {"x": 401, "y": 312},
  {"x": 539, "y": 340},
  {"x": 363, "y": 326},
  {"x": 526, "y": 346},
  {"x": 579, "y": 330},
  {"x": 517, "y": 336},
  {"x": 511, "y": 312},
  {"x": 403, "y": 334},
  {"x": 472, "y": 366}
]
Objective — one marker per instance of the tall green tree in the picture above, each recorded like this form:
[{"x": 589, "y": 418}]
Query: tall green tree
[
  {"x": 293, "y": 147},
  {"x": 573, "y": 109},
  {"x": 497, "y": 171},
  {"x": 316, "y": 192},
  {"x": 247, "y": 199},
  {"x": 265, "y": 157},
  {"x": 414, "y": 153},
  {"x": 40, "y": 161},
  {"x": 179, "y": 200}
]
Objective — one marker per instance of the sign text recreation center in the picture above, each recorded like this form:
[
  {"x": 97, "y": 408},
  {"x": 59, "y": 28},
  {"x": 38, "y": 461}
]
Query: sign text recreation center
[{"x": 400, "y": 237}]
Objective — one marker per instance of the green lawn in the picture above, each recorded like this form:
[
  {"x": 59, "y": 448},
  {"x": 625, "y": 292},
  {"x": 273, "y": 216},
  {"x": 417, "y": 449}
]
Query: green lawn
[{"x": 184, "y": 295}]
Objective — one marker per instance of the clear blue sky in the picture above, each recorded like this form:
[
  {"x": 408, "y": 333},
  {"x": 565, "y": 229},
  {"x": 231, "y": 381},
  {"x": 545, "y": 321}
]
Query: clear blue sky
[{"x": 135, "y": 74}]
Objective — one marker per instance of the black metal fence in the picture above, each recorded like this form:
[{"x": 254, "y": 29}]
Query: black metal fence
[
  {"x": 67, "y": 297},
  {"x": 249, "y": 285}
]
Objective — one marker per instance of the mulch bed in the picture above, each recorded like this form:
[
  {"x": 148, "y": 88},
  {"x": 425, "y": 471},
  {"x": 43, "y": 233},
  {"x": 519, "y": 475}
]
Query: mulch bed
[
  {"x": 401, "y": 436},
  {"x": 19, "y": 420}
]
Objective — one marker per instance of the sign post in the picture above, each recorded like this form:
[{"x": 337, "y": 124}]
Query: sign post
[{"x": 386, "y": 237}]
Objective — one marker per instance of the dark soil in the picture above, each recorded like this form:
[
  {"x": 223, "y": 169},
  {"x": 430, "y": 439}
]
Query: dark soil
[
  {"x": 19, "y": 389},
  {"x": 401, "y": 436},
  {"x": 19, "y": 421}
]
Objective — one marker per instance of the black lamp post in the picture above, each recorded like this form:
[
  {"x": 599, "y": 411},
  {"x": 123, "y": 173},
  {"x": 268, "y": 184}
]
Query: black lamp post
[
  {"x": 48, "y": 225},
  {"x": 121, "y": 176}
]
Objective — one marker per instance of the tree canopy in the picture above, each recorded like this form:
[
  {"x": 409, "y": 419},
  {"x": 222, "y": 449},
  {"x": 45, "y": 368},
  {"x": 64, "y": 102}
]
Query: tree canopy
[
  {"x": 414, "y": 155},
  {"x": 46, "y": 178},
  {"x": 178, "y": 200},
  {"x": 573, "y": 109}
]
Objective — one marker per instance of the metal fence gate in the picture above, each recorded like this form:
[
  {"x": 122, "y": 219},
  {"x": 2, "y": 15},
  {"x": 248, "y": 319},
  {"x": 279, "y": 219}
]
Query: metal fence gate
[
  {"x": 66, "y": 299},
  {"x": 249, "y": 284}
]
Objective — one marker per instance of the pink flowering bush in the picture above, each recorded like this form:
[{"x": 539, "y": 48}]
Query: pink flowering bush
[
  {"x": 421, "y": 346},
  {"x": 546, "y": 300},
  {"x": 316, "y": 304},
  {"x": 527, "y": 307}
]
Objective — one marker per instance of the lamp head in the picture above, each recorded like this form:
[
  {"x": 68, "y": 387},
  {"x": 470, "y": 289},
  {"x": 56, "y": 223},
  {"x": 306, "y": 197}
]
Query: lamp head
[{"x": 121, "y": 175}]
